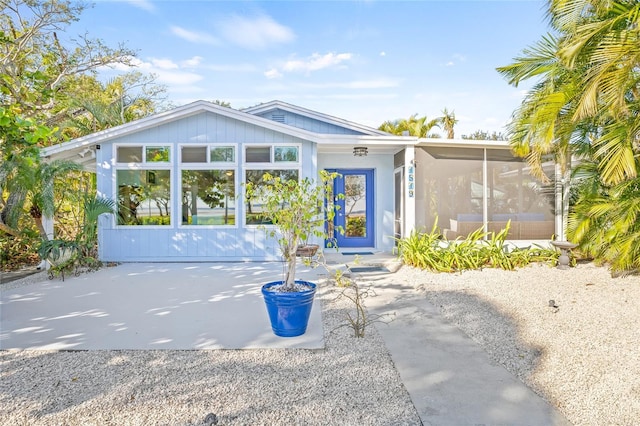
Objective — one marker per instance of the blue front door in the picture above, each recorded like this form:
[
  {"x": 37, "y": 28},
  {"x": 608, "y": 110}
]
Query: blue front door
[{"x": 356, "y": 210}]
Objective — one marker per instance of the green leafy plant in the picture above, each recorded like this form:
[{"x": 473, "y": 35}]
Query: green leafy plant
[
  {"x": 295, "y": 209},
  {"x": 479, "y": 250}
]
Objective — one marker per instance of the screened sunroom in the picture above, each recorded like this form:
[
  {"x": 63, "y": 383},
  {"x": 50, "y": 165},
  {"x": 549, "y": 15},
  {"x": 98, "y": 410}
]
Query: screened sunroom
[{"x": 466, "y": 187}]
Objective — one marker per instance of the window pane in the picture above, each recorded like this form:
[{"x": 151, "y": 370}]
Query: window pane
[
  {"x": 129, "y": 154},
  {"x": 223, "y": 154},
  {"x": 254, "y": 213},
  {"x": 157, "y": 154},
  {"x": 258, "y": 154},
  {"x": 208, "y": 197},
  {"x": 355, "y": 205},
  {"x": 286, "y": 153},
  {"x": 144, "y": 197},
  {"x": 194, "y": 154}
]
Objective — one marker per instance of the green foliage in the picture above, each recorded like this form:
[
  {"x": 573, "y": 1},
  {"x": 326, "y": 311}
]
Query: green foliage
[
  {"x": 356, "y": 226},
  {"x": 585, "y": 105},
  {"x": 427, "y": 250},
  {"x": 605, "y": 221},
  {"x": 19, "y": 251},
  {"x": 295, "y": 208},
  {"x": 416, "y": 126},
  {"x": 88, "y": 236}
]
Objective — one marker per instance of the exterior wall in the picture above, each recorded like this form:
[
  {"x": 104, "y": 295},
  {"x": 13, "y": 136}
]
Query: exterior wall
[
  {"x": 203, "y": 243},
  {"x": 383, "y": 182},
  {"x": 306, "y": 123}
]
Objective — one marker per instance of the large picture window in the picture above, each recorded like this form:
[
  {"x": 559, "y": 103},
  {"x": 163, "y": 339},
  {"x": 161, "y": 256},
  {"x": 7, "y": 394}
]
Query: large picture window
[
  {"x": 143, "y": 184},
  {"x": 144, "y": 197},
  {"x": 254, "y": 214},
  {"x": 208, "y": 185},
  {"x": 208, "y": 197}
]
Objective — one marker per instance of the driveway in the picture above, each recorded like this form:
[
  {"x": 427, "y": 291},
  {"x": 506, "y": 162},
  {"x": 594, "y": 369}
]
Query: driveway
[{"x": 152, "y": 306}]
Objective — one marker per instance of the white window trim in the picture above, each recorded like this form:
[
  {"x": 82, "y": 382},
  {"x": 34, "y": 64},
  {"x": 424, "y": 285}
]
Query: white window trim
[
  {"x": 143, "y": 166},
  {"x": 208, "y": 164},
  {"x": 216, "y": 165},
  {"x": 262, "y": 165}
]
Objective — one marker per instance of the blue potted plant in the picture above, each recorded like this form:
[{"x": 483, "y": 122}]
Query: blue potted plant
[{"x": 295, "y": 211}]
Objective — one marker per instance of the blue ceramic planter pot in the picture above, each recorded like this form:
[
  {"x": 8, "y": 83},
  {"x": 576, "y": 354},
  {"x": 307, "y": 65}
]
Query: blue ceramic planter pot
[{"x": 289, "y": 312}]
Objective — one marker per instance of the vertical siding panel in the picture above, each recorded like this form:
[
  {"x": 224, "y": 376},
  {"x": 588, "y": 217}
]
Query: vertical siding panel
[{"x": 230, "y": 130}]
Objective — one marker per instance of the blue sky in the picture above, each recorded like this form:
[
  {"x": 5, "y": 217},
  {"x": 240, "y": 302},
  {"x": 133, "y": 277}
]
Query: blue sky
[{"x": 364, "y": 61}]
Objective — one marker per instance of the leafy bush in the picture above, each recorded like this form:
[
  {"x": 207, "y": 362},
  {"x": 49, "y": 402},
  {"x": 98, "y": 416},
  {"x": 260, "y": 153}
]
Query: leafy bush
[
  {"x": 479, "y": 250},
  {"x": 16, "y": 252}
]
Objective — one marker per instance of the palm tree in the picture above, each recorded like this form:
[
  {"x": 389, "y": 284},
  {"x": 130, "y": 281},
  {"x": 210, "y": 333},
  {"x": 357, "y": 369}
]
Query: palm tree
[
  {"x": 587, "y": 104},
  {"x": 33, "y": 186},
  {"x": 448, "y": 121},
  {"x": 603, "y": 36},
  {"x": 414, "y": 125},
  {"x": 543, "y": 124}
]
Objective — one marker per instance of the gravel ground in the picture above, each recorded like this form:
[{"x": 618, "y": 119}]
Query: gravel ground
[
  {"x": 580, "y": 354},
  {"x": 351, "y": 382}
]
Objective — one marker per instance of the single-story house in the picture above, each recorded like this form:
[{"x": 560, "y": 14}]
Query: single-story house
[{"x": 177, "y": 178}]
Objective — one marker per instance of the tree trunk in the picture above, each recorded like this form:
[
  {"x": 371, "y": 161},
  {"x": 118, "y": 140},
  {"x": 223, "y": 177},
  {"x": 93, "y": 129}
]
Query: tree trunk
[
  {"x": 4, "y": 228},
  {"x": 7, "y": 215},
  {"x": 290, "y": 276}
]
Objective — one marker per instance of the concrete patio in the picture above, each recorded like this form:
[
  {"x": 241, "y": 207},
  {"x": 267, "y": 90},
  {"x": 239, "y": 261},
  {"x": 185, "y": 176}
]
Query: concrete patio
[{"x": 152, "y": 306}]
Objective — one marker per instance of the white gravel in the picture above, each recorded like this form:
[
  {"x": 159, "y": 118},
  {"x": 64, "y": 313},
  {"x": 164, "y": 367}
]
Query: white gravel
[
  {"x": 582, "y": 355},
  {"x": 351, "y": 382}
]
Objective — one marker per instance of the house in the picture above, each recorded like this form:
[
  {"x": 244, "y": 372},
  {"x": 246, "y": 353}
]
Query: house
[{"x": 178, "y": 178}]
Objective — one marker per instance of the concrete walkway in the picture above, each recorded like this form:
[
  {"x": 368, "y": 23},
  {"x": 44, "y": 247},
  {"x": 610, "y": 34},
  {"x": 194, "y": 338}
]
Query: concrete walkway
[{"x": 450, "y": 378}]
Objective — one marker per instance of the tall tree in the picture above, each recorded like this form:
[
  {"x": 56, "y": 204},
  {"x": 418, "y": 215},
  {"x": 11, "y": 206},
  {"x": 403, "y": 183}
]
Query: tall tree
[
  {"x": 414, "y": 125},
  {"x": 586, "y": 104},
  {"x": 37, "y": 67},
  {"x": 34, "y": 61},
  {"x": 485, "y": 136},
  {"x": 448, "y": 121},
  {"x": 90, "y": 105}
]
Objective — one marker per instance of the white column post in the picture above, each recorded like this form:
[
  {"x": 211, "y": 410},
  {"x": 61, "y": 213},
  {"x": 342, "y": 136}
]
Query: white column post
[{"x": 409, "y": 190}]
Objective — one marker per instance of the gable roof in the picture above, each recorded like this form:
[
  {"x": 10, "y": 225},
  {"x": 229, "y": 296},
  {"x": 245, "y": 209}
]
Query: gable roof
[
  {"x": 81, "y": 150},
  {"x": 279, "y": 105}
]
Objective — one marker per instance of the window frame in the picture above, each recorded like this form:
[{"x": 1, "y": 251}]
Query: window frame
[
  {"x": 271, "y": 165},
  {"x": 208, "y": 165},
  {"x": 143, "y": 166},
  {"x": 272, "y": 153}
]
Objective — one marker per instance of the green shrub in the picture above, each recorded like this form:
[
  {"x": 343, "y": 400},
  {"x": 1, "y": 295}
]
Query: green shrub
[
  {"x": 479, "y": 250},
  {"x": 17, "y": 252}
]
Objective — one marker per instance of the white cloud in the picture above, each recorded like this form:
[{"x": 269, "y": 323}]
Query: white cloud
[
  {"x": 178, "y": 78},
  {"x": 193, "y": 36},
  {"x": 273, "y": 73},
  {"x": 383, "y": 53},
  {"x": 167, "y": 71},
  {"x": 316, "y": 62},
  {"x": 142, "y": 4},
  {"x": 164, "y": 64},
  {"x": 255, "y": 33},
  {"x": 192, "y": 62}
]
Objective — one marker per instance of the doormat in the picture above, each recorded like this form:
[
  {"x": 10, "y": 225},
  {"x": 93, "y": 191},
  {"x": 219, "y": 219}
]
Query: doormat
[
  {"x": 356, "y": 253},
  {"x": 361, "y": 269}
]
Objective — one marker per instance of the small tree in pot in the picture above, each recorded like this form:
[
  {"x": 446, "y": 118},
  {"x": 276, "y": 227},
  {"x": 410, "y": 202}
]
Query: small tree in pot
[{"x": 295, "y": 209}]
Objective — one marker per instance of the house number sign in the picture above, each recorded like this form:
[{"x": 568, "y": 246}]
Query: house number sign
[{"x": 410, "y": 181}]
